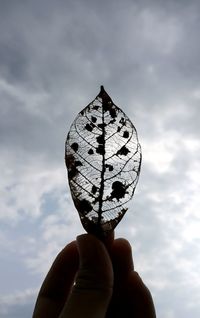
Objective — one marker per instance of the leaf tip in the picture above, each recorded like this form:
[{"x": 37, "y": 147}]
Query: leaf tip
[
  {"x": 102, "y": 90},
  {"x": 104, "y": 95}
]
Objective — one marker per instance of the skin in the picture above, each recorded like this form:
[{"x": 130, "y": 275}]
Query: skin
[{"x": 106, "y": 284}]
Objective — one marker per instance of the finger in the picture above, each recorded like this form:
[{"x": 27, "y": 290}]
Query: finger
[
  {"x": 93, "y": 289},
  {"x": 131, "y": 298},
  {"x": 58, "y": 283},
  {"x": 121, "y": 254}
]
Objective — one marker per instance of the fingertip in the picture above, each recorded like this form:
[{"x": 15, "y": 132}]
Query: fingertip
[
  {"x": 123, "y": 244},
  {"x": 122, "y": 256},
  {"x": 86, "y": 242},
  {"x": 92, "y": 251},
  {"x": 88, "y": 238}
]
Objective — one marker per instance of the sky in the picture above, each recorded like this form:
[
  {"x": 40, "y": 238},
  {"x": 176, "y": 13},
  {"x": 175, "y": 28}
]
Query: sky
[{"x": 54, "y": 55}]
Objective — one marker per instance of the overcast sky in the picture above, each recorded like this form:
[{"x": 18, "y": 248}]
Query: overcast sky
[{"x": 54, "y": 55}]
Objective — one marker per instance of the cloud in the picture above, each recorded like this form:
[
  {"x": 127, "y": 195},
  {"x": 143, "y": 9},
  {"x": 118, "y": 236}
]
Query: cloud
[
  {"x": 52, "y": 61},
  {"x": 17, "y": 304},
  {"x": 56, "y": 229}
]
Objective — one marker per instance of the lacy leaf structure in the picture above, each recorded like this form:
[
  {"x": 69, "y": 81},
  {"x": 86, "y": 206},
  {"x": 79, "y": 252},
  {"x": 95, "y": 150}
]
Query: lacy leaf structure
[{"x": 103, "y": 159}]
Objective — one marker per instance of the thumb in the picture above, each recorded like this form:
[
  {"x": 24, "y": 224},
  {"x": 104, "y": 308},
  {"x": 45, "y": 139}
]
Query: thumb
[{"x": 92, "y": 291}]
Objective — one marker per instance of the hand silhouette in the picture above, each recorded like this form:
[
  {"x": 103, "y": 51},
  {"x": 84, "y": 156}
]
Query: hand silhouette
[{"x": 92, "y": 279}]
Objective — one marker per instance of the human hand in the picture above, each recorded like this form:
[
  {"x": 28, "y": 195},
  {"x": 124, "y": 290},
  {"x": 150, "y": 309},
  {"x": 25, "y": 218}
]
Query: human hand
[{"x": 106, "y": 284}]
